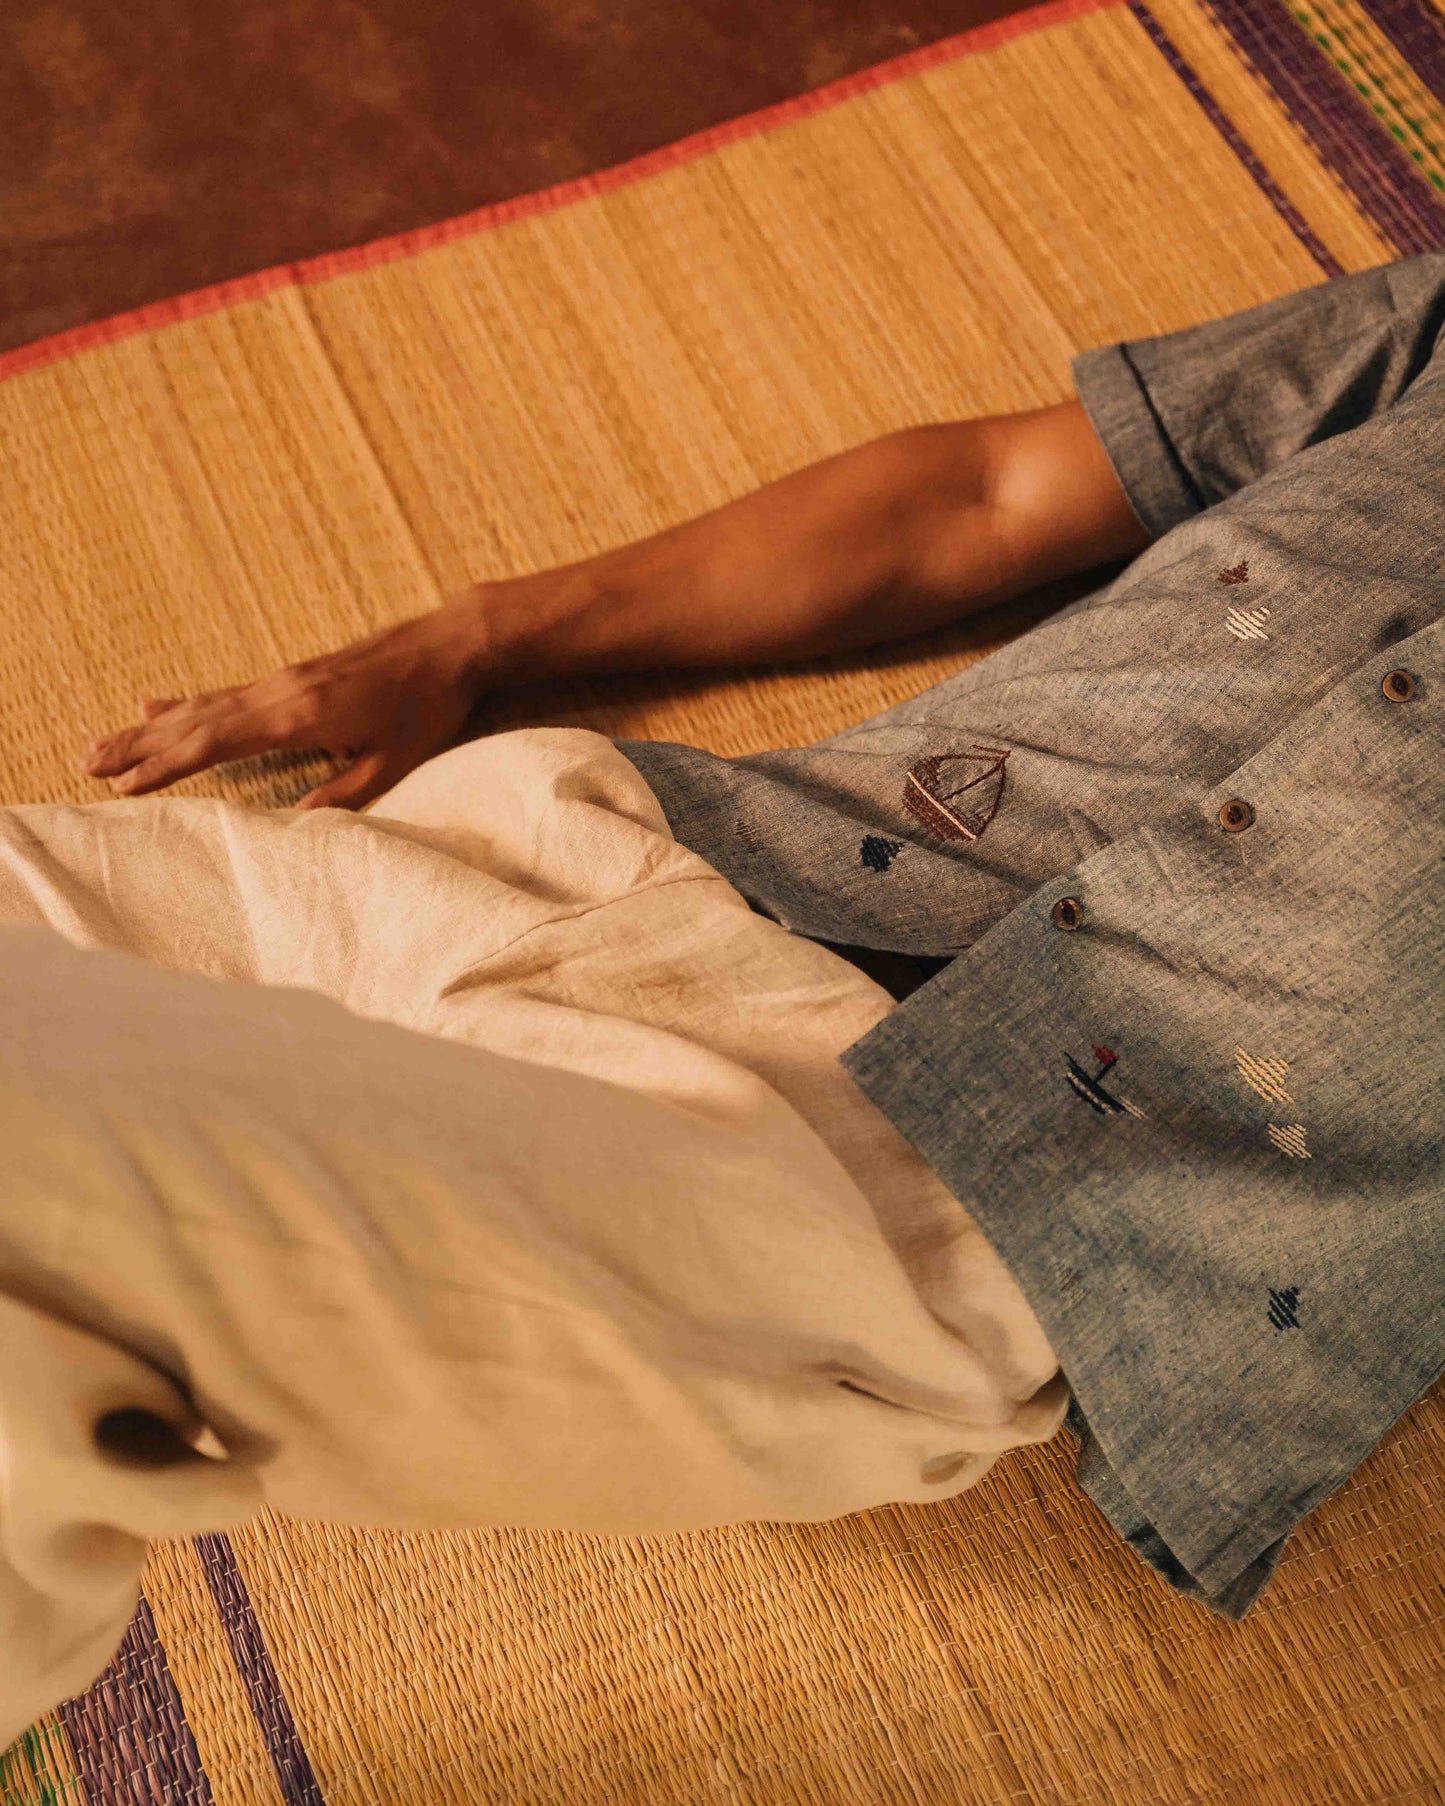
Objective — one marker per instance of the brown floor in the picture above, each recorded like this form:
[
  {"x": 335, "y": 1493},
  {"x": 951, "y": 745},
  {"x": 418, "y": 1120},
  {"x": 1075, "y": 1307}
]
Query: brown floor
[{"x": 151, "y": 148}]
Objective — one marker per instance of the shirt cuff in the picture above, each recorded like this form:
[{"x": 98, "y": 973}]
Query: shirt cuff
[{"x": 1149, "y": 469}]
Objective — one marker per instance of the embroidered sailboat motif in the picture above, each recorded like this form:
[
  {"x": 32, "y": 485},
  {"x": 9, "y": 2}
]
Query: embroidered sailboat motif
[
  {"x": 951, "y": 809},
  {"x": 1088, "y": 1085}
]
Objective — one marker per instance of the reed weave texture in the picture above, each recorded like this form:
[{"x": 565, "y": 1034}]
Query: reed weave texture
[{"x": 198, "y": 502}]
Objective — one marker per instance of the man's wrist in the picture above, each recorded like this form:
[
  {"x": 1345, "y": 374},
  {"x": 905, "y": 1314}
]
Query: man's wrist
[{"x": 550, "y": 624}]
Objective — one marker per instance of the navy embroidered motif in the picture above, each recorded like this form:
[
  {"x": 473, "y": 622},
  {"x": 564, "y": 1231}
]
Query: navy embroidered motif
[
  {"x": 965, "y": 810},
  {"x": 1236, "y": 573},
  {"x": 879, "y": 853},
  {"x": 1087, "y": 1085},
  {"x": 1284, "y": 1308}
]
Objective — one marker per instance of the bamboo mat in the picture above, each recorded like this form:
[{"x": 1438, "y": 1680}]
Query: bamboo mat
[{"x": 246, "y": 476}]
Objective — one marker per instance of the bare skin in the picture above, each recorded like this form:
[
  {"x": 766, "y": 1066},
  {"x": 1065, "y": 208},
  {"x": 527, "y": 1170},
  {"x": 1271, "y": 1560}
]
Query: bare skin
[{"x": 890, "y": 539}]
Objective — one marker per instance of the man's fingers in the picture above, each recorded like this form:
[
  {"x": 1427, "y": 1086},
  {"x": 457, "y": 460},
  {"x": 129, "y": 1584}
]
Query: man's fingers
[
  {"x": 110, "y": 754},
  {"x": 167, "y": 719},
  {"x": 361, "y": 783},
  {"x": 194, "y": 734},
  {"x": 115, "y": 753},
  {"x": 191, "y": 753}
]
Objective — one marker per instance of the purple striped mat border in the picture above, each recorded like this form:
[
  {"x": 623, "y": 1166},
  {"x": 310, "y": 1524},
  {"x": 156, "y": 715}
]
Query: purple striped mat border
[
  {"x": 128, "y": 1734},
  {"x": 258, "y": 1673},
  {"x": 1222, "y": 123},
  {"x": 1418, "y": 33},
  {"x": 1346, "y": 135}
]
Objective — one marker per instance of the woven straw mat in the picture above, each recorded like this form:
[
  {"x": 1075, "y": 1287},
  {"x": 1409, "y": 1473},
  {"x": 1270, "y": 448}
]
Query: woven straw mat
[{"x": 237, "y": 479}]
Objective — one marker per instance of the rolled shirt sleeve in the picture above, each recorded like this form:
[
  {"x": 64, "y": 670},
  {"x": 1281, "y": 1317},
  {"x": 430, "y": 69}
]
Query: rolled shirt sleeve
[
  {"x": 1188, "y": 418},
  {"x": 1201, "y": 1121}
]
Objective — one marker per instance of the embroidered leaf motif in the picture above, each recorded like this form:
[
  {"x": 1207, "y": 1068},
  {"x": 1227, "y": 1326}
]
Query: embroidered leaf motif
[
  {"x": 1235, "y": 573},
  {"x": 1264, "y": 1076},
  {"x": 956, "y": 795}
]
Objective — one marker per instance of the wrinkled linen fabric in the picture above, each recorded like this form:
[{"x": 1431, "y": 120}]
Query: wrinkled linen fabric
[
  {"x": 480, "y": 1159},
  {"x": 1202, "y": 1116}
]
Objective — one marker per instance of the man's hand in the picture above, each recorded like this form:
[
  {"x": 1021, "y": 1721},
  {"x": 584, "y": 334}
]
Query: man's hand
[{"x": 382, "y": 704}]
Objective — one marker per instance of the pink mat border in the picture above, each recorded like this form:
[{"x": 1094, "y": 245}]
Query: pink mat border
[{"x": 400, "y": 245}]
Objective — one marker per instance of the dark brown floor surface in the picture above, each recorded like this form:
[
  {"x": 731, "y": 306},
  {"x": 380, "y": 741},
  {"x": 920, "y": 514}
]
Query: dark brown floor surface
[{"x": 157, "y": 146}]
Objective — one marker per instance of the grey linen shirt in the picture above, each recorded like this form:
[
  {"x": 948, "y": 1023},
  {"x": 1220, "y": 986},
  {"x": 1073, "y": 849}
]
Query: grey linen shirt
[{"x": 1185, "y": 843}]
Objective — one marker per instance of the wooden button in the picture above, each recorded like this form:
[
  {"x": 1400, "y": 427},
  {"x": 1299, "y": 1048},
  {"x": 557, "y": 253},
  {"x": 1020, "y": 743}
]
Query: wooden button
[
  {"x": 1235, "y": 815},
  {"x": 1068, "y": 912},
  {"x": 1399, "y": 686}
]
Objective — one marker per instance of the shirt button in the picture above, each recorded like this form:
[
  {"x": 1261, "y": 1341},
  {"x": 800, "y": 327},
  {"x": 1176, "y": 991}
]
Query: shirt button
[
  {"x": 1068, "y": 912},
  {"x": 1235, "y": 815},
  {"x": 1399, "y": 686}
]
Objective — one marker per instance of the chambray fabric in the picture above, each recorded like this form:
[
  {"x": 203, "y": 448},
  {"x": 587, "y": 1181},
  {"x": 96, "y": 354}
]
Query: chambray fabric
[{"x": 1205, "y": 1128}]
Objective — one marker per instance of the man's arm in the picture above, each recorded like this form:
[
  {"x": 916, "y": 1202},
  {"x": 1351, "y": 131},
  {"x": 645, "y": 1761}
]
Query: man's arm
[{"x": 890, "y": 539}]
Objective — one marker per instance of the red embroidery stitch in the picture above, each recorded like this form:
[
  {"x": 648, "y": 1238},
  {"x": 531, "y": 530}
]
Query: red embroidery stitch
[
  {"x": 941, "y": 811},
  {"x": 1235, "y": 573}
]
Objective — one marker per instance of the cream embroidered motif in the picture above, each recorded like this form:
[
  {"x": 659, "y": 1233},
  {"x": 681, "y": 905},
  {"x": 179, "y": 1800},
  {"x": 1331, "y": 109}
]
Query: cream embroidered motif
[
  {"x": 1264, "y": 1076},
  {"x": 963, "y": 812},
  {"x": 1247, "y": 623},
  {"x": 1289, "y": 1138}
]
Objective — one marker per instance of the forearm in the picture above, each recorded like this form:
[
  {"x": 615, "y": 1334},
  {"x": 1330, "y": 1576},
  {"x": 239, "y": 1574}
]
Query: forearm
[
  {"x": 885, "y": 541},
  {"x": 890, "y": 539}
]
